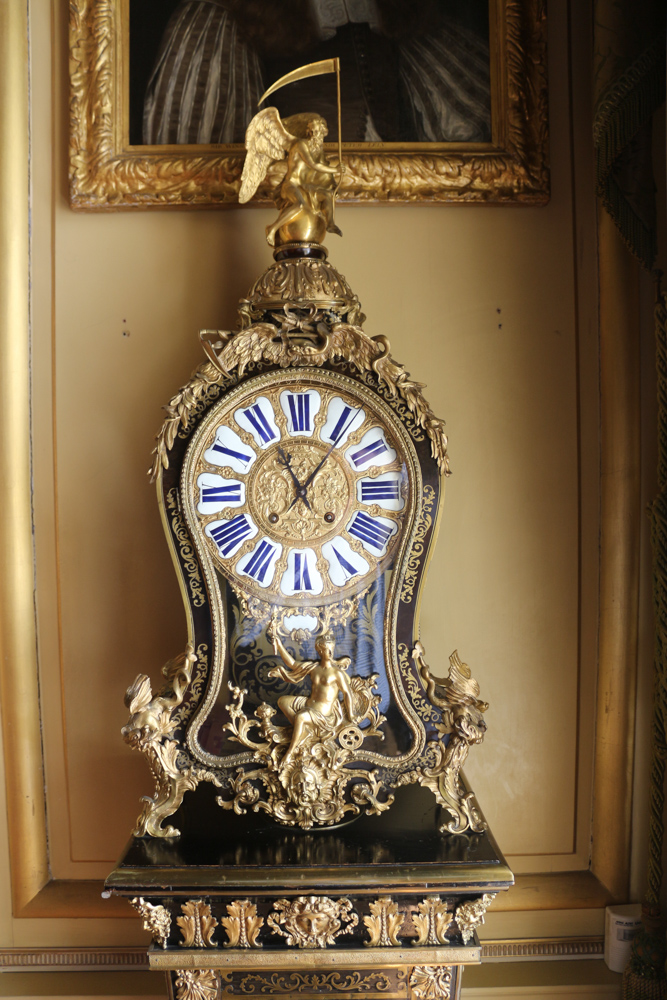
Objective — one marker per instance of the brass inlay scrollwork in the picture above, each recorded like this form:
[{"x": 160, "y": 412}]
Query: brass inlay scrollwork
[
  {"x": 150, "y": 724},
  {"x": 423, "y": 709},
  {"x": 197, "y": 924},
  {"x": 196, "y": 984},
  {"x": 242, "y": 924},
  {"x": 197, "y": 684},
  {"x": 385, "y": 923},
  {"x": 157, "y": 919},
  {"x": 186, "y": 550},
  {"x": 417, "y": 551},
  {"x": 277, "y": 983},
  {"x": 432, "y": 922},
  {"x": 312, "y": 921},
  {"x": 471, "y": 914},
  {"x": 431, "y": 982}
]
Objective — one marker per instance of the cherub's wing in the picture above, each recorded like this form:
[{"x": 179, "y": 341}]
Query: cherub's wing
[{"x": 266, "y": 140}]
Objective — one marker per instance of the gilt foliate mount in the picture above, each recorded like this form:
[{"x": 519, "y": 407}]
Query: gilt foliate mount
[{"x": 300, "y": 476}]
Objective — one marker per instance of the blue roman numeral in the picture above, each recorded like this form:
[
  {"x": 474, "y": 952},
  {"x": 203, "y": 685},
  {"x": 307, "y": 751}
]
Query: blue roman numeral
[
  {"x": 259, "y": 422},
  {"x": 370, "y": 451},
  {"x": 368, "y": 529},
  {"x": 258, "y": 562},
  {"x": 343, "y": 423},
  {"x": 299, "y": 408},
  {"x": 213, "y": 494},
  {"x": 227, "y": 536},
  {"x": 345, "y": 565},
  {"x": 301, "y": 574},
  {"x": 382, "y": 489},
  {"x": 240, "y": 455}
]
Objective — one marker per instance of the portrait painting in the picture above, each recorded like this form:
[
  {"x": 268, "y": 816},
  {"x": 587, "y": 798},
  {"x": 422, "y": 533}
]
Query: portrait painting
[
  {"x": 410, "y": 72},
  {"x": 441, "y": 100}
]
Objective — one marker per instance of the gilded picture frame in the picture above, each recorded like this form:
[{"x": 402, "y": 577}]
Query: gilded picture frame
[{"x": 107, "y": 173}]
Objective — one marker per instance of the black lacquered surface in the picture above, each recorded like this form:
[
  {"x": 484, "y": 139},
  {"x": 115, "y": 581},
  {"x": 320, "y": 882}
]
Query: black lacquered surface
[{"x": 401, "y": 847}]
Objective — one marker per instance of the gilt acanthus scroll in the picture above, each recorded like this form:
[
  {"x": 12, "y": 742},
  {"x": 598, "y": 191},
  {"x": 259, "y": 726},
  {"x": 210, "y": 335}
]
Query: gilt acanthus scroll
[
  {"x": 384, "y": 924},
  {"x": 242, "y": 924},
  {"x": 197, "y": 925}
]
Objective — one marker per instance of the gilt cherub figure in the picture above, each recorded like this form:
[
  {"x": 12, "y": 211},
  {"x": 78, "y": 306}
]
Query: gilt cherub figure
[{"x": 306, "y": 196}]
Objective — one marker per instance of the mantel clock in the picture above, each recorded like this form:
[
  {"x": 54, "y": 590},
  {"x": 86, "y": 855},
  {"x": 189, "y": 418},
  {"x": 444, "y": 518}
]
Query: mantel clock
[{"x": 300, "y": 478}]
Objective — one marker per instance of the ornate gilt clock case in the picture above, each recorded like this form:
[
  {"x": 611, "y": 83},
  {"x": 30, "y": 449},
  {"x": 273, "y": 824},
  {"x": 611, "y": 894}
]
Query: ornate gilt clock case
[{"x": 300, "y": 478}]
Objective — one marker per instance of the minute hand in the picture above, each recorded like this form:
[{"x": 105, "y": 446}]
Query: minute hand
[
  {"x": 313, "y": 474},
  {"x": 284, "y": 460}
]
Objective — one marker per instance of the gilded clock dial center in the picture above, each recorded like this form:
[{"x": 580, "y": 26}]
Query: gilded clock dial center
[{"x": 295, "y": 500}]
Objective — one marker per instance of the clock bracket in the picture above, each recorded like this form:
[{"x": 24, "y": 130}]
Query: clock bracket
[{"x": 302, "y": 322}]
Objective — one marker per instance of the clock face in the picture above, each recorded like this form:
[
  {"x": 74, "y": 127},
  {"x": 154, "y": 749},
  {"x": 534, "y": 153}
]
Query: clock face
[{"x": 297, "y": 486}]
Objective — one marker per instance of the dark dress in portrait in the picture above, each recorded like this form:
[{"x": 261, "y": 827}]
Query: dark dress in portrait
[{"x": 410, "y": 71}]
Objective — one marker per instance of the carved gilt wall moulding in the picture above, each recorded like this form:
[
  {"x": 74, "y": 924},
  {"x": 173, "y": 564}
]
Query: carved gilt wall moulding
[{"x": 107, "y": 172}]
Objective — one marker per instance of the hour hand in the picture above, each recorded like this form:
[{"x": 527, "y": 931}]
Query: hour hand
[
  {"x": 303, "y": 489},
  {"x": 284, "y": 460}
]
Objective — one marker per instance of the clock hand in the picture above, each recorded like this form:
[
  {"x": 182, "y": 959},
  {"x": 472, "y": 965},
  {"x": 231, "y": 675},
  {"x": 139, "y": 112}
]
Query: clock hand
[
  {"x": 318, "y": 467},
  {"x": 311, "y": 477},
  {"x": 284, "y": 460}
]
